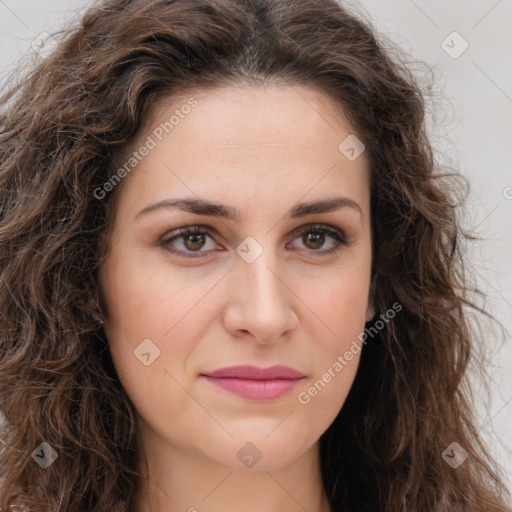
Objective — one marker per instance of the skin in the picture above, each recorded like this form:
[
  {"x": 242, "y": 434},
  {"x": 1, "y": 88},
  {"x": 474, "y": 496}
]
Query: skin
[{"x": 261, "y": 151}]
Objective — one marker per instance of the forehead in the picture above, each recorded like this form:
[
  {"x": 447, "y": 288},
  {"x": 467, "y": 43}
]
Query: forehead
[
  {"x": 262, "y": 112},
  {"x": 276, "y": 140}
]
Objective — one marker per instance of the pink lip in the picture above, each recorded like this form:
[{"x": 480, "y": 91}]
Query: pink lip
[{"x": 256, "y": 383}]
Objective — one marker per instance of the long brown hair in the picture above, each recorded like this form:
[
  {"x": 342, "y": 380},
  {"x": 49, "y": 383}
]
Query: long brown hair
[{"x": 64, "y": 125}]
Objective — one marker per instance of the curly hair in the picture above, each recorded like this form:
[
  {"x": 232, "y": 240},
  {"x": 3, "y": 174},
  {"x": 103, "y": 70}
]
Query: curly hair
[{"x": 64, "y": 125}]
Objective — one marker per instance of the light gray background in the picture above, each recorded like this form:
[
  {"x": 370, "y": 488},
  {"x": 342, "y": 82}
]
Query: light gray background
[{"x": 475, "y": 133}]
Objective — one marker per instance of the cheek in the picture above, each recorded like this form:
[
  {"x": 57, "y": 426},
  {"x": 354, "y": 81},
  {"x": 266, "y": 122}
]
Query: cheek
[
  {"x": 334, "y": 358},
  {"x": 148, "y": 316},
  {"x": 148, "y": 300},
  {"x": 337, "y": 322},
  {"x": 340, "y": 303}
]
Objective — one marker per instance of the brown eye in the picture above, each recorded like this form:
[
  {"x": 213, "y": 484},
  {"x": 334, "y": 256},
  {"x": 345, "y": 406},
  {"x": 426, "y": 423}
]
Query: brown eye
[
  {"x": 314, "y": 240},
  {"x": 194, "y": 241},
  {"x": 314, "y": 237}
]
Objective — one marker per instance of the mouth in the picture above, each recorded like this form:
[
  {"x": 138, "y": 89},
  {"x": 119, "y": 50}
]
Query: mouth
[{"x": 253, "y": 383}]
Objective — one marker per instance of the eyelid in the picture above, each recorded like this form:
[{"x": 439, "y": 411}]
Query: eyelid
[{"x": 317, "y": 225}]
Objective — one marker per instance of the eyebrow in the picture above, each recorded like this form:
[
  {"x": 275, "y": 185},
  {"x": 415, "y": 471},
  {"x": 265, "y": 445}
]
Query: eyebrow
[{"x": 202, "y": 207}]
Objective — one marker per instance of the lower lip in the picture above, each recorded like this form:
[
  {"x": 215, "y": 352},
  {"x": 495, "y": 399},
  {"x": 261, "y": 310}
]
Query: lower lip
[{"x": 255, "y": 389}]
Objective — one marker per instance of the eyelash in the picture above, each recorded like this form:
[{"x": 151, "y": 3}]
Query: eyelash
[{"x": 336, "y": 234}]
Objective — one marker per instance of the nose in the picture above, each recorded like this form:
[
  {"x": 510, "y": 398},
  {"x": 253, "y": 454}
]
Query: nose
[{"x": 261, "y": 305}]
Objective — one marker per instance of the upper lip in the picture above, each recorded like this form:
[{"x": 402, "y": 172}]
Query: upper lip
[{"x": 256, "y": 373}]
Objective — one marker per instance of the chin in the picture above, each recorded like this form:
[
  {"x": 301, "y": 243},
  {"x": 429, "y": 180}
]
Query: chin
[{"x": 260, "y": 453}]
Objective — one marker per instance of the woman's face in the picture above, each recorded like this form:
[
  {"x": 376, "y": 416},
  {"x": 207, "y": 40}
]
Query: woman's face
[{"x": 256, "y": 286}]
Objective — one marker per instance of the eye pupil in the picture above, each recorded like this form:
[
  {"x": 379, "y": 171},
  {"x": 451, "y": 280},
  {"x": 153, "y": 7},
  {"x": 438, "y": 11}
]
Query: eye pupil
[
  {"x": 317, "y": 239},
  {"x": 194, "y": 237}
]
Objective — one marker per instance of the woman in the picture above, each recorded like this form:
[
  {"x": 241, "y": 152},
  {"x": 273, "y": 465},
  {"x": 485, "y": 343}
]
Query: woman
[{"x": 231, "y": 276}]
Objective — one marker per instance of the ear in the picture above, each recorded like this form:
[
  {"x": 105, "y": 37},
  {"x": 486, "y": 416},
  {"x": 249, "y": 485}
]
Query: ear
[{"x": 370, "y": 311}]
